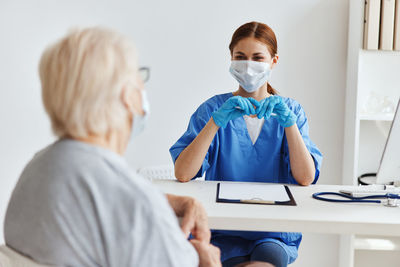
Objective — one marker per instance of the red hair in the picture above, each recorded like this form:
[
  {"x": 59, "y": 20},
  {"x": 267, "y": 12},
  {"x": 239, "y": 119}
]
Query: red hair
[{"x": 262, "y": 33}]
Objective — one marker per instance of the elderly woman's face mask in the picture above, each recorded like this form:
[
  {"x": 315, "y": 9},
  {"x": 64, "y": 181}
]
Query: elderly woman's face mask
[{"x": 139, "y": 121}]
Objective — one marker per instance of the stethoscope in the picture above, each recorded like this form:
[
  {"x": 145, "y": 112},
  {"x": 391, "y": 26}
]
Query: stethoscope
[{"x": 389, "y": 200}]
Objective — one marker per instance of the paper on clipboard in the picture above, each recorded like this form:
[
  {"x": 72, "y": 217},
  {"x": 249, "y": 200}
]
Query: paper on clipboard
[{"x": 249, "y": 191}]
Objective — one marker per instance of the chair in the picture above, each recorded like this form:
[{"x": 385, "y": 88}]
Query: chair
[{"x": 11, "y": 258}]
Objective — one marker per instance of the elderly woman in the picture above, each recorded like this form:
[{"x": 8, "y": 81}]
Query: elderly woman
[{"x": 77, "y": 203}]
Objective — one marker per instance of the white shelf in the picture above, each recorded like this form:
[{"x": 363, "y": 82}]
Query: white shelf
[
  {"x": 364, "y": 135},
  {"x": 377, "y": 243},
  {"x": 376, "y": 117},
  {"x": 388, "y": 52}
]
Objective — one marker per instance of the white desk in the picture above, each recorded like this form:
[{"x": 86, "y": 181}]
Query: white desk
[{"x": 309, "y": 215}]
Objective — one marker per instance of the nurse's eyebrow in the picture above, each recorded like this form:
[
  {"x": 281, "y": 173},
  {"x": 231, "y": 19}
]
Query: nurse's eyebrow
[
  {"x": 238, "y": 52},
  {"x": 258, "y": 53}
]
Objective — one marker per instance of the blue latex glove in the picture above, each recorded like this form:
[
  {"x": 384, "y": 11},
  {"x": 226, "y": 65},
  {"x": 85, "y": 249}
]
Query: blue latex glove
[
  {"x": 234, "y": 108},
  {"x": 275, "y": 104}
]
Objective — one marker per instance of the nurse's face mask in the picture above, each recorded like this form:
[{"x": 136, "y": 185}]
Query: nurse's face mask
[{"x": 251, "y": 75}]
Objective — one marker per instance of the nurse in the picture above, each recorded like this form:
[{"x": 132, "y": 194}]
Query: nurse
[{"x": 253, "y": 135}]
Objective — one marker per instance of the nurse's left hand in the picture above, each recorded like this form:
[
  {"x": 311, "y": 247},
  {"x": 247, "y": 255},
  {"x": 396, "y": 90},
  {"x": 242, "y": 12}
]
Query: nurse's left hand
[
  {"x": 193, "y": 217},
  {"x": 275, "y": 104}
]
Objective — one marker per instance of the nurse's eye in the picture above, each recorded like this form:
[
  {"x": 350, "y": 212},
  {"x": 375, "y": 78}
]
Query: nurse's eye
[
  {"x": 258, "y": 58},
  {"x": 240, "y": 57}
]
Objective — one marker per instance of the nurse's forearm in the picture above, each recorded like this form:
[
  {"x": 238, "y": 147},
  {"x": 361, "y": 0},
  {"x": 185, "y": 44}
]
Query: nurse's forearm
[
  {"x": 301, "y": 162},
  {"x": 190, "y": 160}
]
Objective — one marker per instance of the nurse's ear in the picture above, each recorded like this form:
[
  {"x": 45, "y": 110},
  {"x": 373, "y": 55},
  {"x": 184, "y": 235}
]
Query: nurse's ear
[{"x": 274, "y": 61}]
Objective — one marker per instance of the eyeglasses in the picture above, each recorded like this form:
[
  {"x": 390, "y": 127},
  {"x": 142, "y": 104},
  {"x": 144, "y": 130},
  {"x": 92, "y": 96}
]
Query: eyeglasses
[{"x": 144, "y": 73}]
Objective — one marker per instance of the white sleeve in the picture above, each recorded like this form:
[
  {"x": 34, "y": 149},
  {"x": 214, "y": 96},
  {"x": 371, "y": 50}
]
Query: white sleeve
[
  {"x": 150, "y": 235},
  {"x": 163, "y": 242}
]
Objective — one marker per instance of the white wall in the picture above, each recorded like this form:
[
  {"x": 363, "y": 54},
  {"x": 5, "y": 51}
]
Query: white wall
[{"x": 186, "y": 45}]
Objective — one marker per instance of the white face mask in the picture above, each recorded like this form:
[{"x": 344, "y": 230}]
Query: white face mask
[
  {"x": 139, "y": 121},
  {"x": 251, "y": 75}
]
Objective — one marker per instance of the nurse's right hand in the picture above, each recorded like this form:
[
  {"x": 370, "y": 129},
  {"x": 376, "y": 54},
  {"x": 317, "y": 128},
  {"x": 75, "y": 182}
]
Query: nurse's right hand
[{"x": 233, "y": 108}]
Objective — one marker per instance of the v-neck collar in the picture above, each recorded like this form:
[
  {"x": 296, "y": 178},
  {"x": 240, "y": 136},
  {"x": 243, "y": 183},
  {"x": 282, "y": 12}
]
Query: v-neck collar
[
  {"x": 240, "y": 128},
  {"x": 246, "y": 132},
  {"x": 240, "y": 125},
  {"x": 256, "y": 126}
]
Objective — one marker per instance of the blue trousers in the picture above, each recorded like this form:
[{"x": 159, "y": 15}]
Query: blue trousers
[{"x": 267, "y": 252}]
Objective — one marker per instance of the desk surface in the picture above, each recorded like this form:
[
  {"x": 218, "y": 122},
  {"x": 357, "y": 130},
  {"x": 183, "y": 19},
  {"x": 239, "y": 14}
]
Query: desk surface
[{"x": 309, "y": 215}]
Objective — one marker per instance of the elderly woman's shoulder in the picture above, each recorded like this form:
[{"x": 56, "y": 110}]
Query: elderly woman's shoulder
[
  {"x": 72, "y": 163},
  {"x": 70, "y": 170}
]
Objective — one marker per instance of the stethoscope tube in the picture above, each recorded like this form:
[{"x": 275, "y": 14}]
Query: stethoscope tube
[{"x": 348, "y": 198}]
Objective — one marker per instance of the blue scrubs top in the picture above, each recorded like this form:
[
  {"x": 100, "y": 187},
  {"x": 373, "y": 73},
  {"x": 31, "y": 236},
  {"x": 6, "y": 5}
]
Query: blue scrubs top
[{"x": 233, "y": 157}]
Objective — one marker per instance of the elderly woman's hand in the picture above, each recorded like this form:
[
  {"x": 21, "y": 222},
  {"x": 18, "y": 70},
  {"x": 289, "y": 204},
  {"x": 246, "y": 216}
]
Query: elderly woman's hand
[
  {"x": 209, "y": 255},
  {"x": 193, "y": 216}
]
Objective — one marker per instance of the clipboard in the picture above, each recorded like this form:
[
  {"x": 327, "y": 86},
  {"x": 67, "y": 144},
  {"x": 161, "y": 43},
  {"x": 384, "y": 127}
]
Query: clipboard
[{"x": 290, "y": 202}]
